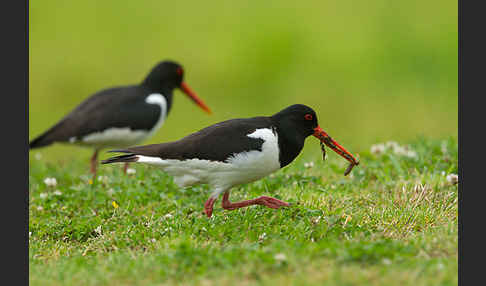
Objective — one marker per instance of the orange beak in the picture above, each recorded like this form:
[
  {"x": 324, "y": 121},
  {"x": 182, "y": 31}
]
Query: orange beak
[
  {"x": 192, "y": 95},
  {"x": 326, "y": 139}
]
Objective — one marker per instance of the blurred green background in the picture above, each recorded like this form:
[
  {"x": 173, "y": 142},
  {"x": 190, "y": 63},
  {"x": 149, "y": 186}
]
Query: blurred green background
[{"x": 372, "y": 70}]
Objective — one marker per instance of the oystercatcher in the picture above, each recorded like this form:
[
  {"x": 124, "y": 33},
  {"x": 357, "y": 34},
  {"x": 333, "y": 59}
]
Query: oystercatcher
[
  {"x": 235, "y": 152},
  {"x": 123, "y": 116}
]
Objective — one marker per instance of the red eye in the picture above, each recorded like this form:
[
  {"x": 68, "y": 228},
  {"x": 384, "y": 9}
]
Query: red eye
[
  {"x": 308, "y": 117},
  {"x": 179, "y": 71}
]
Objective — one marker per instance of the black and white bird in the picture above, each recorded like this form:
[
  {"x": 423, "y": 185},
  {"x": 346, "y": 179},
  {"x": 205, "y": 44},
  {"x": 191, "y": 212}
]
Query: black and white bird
[
  {"x": 123, "y": 116},
  {"x": 235, "y": 152}
]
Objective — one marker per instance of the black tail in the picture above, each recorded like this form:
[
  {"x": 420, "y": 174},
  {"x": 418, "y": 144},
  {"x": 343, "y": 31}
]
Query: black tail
[
  {"x": 122, "y": 158},
  {"x": 53, "y": 134},
  {"x": 40, "y": 141}
]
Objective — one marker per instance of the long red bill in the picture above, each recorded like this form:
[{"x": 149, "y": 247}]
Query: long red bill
[
  {"x": 192, "y": 95},
  {"x": 326, "y": 139}
]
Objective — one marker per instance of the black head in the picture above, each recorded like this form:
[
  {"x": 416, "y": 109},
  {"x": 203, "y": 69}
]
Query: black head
[
  {"x": 297, "y": 122},
  {"x": 298, "y": 117},
  {"x": 166, "y": 76}
]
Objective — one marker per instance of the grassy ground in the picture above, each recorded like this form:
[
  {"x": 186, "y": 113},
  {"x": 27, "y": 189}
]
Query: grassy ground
[
  {"x": 373, "y": 71},
  {"x": 393, "y": 221}
]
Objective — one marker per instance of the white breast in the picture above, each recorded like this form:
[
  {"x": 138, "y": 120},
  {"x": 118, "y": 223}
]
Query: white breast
[
  {"x": 123, "y": 137},
  {"x": 253, "y": 165},
  {"x": 240, "y": 168}
]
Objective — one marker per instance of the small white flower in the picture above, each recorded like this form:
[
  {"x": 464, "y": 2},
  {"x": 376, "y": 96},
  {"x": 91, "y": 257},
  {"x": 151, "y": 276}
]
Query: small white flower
[
  {"x": 38, "y": 156},
  {"x": 309, "y": 165},
  {"x": 43, "y": 195},
  {"x": 153, "y": 240},
  {"x": 386, "y": 261},
  {"x": 443, "y": 147},
  {"x": 103, "y": 179},
  {"x": 30, "y": 233},
  {"x": 110, "y": 191},
  {"x": 262, "y": 237},
  {"x": 377, "y": 148},
  {"x": 40, "y": 208},
  {"x": 316, "y": 220},
  {"x": 99, "y": 230},
  {"x": 392, "y": 144},
  {"x": 131, "y": 171},
  {"x": 167, "y": 216},
  {"x": 442, "y": 173},
  {"x": 411, "y": 154},
  {"x": 50, "y": 182},
  {"x": 57, "y": 193},
  {"x": 452, "y": 178},
  {"x": 76, "y": 187},
  {"x": 395, "y": 147},
  {"x": 399, "y": 150},
  {"x": 280, "y": 257}
]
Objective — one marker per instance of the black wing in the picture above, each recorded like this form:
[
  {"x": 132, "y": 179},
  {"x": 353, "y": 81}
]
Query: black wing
[
  {"x": 215, "y": 143},
  {"x": 114, "y": 107}
]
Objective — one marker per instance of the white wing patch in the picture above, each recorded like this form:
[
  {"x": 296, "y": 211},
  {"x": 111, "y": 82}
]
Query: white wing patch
[
  {"x": 123, "y": 137},
  {"x": 266, "y": 157}
]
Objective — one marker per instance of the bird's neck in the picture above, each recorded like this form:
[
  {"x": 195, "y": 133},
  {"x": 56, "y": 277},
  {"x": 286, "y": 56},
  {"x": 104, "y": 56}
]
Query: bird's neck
[
  {"x": 165, "y": 91},
  {"x": 289, "y": 143}
]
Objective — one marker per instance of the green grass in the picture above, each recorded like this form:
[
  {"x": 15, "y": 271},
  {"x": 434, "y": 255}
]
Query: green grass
[
  {"x": 373, "y": 71},
  {"x": 392, "y": 221}
]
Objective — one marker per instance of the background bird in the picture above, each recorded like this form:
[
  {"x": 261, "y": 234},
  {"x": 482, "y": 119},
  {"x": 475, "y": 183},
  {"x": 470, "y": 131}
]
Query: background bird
[
  {"x": 235, "y": 152},
  {"x": 123, "y": 116}
]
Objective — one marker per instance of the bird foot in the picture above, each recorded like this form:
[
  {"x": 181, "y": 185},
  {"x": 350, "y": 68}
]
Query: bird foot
[
  {"x": 263, "y": 200},
  {"x": 227, "y": 205},
  {"x": 208, "y": 206},
  {"x": 271, "y": 202}
]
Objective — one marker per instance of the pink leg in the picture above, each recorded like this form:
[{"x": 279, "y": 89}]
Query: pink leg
[
  {"x": 94, "y": 162},
  {"x": 264, "y": 201},
  {"x": 208, "y": 206},
  {"x": 125, "y": 167}
]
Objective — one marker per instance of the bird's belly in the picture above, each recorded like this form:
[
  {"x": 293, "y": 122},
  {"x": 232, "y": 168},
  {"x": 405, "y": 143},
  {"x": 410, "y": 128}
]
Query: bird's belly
[
  {"x": 191, "y": 171},
  {"x": 112, "y": 138},
  {"x": 250, "y": 166},
  {"x": 241, "y": 168}
]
